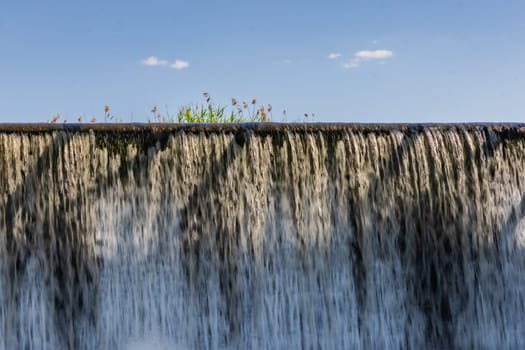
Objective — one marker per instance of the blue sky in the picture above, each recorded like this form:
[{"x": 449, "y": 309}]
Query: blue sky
[{"x": 351, "y": 61}]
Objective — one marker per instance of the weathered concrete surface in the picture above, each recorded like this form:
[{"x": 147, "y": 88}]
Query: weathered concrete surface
[{"x": 257, "y": 127}]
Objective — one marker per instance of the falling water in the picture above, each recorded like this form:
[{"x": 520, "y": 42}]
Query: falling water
[{"x": 263, "y": 237}]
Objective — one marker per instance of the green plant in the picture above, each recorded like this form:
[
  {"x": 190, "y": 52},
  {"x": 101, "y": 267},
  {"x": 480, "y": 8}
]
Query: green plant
[
  {"x": 211, "y": 113},
  {"x": 208, "y": 112}
]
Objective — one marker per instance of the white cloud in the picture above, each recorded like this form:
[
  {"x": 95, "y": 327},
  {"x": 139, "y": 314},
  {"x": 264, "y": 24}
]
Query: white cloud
[
  {"x": 374, "y": 55},
  {"x": 180, "y": 64},
  {"x": 351, "y": 64},
  {"x": 334, "y": 56},
  {"x": 365, "y": 55},
  {"x": 154, "y": 61}
]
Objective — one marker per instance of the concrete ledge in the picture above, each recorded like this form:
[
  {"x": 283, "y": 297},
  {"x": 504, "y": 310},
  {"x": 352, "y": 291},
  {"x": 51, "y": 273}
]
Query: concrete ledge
[{"x": 262, "y": 128}]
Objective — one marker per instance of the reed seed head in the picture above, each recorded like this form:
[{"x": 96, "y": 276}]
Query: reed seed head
[{"x": 263, "y": 114}]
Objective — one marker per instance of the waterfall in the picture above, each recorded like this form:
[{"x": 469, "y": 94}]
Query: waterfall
[{"x": 262, "y": 237}]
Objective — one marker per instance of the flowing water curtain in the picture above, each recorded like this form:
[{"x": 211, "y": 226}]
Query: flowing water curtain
[{"x": 354, "y": 237}]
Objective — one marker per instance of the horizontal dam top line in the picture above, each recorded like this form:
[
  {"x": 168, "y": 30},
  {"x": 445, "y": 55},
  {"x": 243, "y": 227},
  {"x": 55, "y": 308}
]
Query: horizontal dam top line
[{"x": 262, "y": 128}]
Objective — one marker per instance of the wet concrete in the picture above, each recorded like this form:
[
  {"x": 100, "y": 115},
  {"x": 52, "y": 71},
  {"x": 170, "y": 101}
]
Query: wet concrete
[{"x": 256, "y": 127}]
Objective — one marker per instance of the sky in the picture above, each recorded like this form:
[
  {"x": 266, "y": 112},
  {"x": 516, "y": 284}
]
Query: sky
[{"x": 337, "y": 61}]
